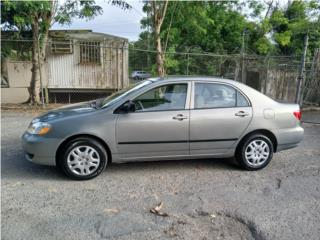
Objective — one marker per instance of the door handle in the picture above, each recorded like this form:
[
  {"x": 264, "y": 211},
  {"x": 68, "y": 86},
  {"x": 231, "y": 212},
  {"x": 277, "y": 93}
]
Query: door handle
[
  {"x": 241, "y": 114},
  {"x": 179, "y": 117}
]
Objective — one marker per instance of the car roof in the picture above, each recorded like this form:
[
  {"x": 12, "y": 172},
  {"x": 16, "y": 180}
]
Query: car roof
[
  {"x": 193, "y": 78},
  {"x": 255, "y": 96}
]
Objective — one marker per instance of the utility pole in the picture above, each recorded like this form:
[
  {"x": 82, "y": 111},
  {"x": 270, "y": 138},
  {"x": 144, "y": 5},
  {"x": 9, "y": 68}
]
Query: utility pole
[{"x": 298, "y": 98}]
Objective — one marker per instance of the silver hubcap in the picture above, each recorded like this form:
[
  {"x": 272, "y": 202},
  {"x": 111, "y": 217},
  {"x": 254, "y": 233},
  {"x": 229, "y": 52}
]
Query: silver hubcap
[
  {"x": 257, "y": 153},
  {"x": 83, "y": 160}
]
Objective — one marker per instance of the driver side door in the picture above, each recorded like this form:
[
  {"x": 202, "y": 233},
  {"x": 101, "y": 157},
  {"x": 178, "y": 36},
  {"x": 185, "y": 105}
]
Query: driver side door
[{"x": 159, "y": 128}]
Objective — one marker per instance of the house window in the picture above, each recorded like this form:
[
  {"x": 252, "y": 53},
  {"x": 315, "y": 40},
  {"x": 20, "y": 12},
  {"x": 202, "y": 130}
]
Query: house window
[
  {"x": 61, "y": 46},
  {"x": 90, "y": 52}
]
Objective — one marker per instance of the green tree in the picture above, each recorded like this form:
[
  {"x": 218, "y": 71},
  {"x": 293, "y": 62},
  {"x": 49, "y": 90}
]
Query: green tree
[
  {"x": 158, "y": 10},
  {"x": 291, "y": 23},
  {"x": 38, "y": 17},
  {"x": 197, "y": 27},
  {"x": 218, "y": 27}
]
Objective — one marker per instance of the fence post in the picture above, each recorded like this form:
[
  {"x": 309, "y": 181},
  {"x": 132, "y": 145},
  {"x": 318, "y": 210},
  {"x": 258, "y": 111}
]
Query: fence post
[
  {"x": 40, "y": 73},
  {"x": 242, "y": 56},
  {"x": 266, "y": 80},
  {"x": 47, "y": 95},
  {"x": 298, "y": 98},
  {"x": 188, "y": 63}
]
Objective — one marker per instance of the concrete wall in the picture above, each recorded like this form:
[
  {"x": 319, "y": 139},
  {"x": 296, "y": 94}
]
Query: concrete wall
[
  {"x": 14, "y": 95},
  {"x": 18, "y": 75}
]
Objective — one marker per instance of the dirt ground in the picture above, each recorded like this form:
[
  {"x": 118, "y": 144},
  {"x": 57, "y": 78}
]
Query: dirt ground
[{"x": 204, "y": 199}]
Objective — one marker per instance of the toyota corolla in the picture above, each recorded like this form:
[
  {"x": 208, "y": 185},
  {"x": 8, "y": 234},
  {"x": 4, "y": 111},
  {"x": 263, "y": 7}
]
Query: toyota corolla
[{"x": 165, "y": 118}]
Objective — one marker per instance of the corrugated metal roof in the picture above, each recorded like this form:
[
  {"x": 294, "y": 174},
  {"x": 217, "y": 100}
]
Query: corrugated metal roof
[{"x": 84, "y": 34}]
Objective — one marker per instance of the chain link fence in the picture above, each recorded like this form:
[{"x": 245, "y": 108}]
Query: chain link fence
[{"x": 75, "y": 71}]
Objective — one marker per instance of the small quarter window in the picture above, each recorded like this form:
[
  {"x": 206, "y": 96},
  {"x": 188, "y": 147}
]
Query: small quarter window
[{"x": 241, "y": 100}]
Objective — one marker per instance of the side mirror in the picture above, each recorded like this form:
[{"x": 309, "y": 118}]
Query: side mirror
[{"x": 128, "y": 106}]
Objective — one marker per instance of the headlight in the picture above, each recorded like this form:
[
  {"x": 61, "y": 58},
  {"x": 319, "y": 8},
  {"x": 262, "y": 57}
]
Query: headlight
[{"x": 39, "y": 128}]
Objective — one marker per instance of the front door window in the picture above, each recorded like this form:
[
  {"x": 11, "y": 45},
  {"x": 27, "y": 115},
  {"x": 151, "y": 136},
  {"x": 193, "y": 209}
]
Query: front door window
[{"x": 163, "y": 98}]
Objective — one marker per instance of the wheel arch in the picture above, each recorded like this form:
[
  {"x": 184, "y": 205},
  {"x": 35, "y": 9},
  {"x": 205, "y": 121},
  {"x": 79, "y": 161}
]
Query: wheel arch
[
  {"x": 62, "y": 145},
  {"x": 265, "y": 132}
]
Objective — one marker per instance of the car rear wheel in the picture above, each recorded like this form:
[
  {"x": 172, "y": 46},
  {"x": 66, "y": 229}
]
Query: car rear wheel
[
  {"x": 83, "y": 159},
  {"x": 255, "y": 152}
]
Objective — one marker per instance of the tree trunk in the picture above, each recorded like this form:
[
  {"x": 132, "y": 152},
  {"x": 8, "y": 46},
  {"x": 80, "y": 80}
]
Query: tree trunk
[
  {"x": 38, "y": 57},
  {"x": 159, "y": 10},
  {"x": 160, "y": 56},
  {"x": 34, "y": 89}
]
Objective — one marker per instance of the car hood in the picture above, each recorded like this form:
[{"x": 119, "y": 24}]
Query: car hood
[{"x": 66, "y": 111}]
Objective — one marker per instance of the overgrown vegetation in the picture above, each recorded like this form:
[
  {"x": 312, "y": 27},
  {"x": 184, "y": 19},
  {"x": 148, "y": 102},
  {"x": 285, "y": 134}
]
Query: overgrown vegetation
[{"x": 255, "y": 27}]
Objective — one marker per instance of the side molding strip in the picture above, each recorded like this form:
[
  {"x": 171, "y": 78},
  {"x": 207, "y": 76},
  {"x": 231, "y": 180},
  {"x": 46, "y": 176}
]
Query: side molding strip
[{"x": 181, "y": 141}]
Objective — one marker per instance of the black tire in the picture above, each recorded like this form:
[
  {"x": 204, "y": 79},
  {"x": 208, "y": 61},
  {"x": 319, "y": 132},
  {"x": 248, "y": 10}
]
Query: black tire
[
  {"x": 241, "y": 152},
  {"x": 91, "y": 143}
]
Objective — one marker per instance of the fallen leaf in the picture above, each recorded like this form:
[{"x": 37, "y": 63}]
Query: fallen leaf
[
  {"x": 156, "y": 210},
  {"x": 158, "y": 207}
]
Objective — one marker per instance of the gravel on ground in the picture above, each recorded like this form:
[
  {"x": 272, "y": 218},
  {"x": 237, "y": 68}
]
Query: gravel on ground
[{"x": 204, "y": 199}]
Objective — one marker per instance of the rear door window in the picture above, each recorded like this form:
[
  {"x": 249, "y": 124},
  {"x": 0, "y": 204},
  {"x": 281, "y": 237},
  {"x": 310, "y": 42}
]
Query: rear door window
[{"x": 215, "y": 95}]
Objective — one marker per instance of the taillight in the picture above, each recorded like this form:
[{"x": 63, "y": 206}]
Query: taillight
[{"x": 297, "y": 114}]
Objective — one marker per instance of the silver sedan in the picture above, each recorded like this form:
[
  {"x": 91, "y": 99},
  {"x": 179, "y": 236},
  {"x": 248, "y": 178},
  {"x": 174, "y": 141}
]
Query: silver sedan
[{"x": 170, "y": 118}]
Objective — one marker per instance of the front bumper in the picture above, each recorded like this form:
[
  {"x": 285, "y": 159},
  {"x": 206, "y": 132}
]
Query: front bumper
[{"x": 40, "y": 150}]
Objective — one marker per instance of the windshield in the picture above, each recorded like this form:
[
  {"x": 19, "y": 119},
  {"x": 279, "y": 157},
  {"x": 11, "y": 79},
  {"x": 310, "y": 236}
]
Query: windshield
[{"x": 123, "y": 93}]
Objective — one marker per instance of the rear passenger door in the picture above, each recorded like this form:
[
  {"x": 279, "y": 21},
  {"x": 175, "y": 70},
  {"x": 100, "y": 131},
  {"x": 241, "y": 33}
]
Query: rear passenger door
[{"x": 219, "y": 115}]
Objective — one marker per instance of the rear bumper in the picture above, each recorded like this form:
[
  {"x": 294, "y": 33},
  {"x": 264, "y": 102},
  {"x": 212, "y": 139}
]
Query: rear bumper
[
  {"x": 40, "y": 150},
  {"x": 286, "y": 146},
  {"x": 289, "y": 138}
]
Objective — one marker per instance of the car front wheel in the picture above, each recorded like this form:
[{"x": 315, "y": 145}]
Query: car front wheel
[
  {"x": 83, "y": 159},
  {"x": 255, "y": 152}
]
